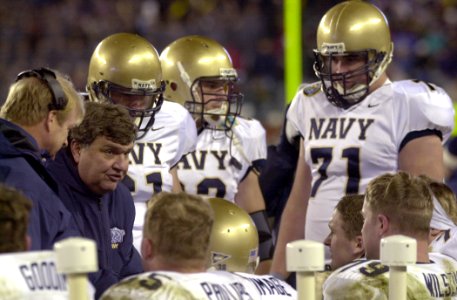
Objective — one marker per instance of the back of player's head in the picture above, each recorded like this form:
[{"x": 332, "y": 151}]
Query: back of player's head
[
  {"x": 357, "y": 29},
  {"x": 445, "y": 207},
  {"x": 350, "y": 209},
  {"x": 405, "y": 199},
  {"x": 14, "y": 218},
  {"x": 36, "y": 92},
  {"x": 179, "y": 226},
  {"x": 234, "y": 239},
  {"x": 104, "y": 120},
  {"x": 194, "y": 61},
  {"x": 126, "y": 65}
]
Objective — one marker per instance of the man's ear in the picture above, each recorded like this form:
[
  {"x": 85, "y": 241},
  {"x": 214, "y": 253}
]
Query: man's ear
[
  {"x": 359, "y": 249},
  {"x": 28, "y": 242},
  {"x": 147, "y": 251},
  {"x": 75, "y": 150},
  {"x": 51, "y": 119},
  {"x": 383, "y": 224}
]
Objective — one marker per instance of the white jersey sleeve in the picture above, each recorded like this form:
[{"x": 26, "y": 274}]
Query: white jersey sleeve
[
  {"x": 31, "y": 275},
  {"x": 250, "y": 136},
  {"x": 423, "y": 106},
  {"x": 369, "y": 280},
  {"x": 292, "y": 129},
  {"x": 447, "y": 236},
  {"x": 449, "y": 247}
]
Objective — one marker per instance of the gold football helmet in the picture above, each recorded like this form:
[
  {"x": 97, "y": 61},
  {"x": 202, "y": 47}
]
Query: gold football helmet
[
  {"x": 354, "y": 29},
  {"x": 234, "y": 240},
  {"x": 199, "y": 74},
  {"x": 125, "y": 69}
]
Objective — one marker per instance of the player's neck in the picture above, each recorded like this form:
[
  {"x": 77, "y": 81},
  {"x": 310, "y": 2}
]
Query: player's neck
[
  {"x": 422, "y": 251},
  {"x": 181, "y": 266}
]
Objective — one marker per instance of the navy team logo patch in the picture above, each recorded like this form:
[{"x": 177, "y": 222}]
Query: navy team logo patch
[
  {"x": 311, "y": 90},
  {"x": 117, "y": 237}
]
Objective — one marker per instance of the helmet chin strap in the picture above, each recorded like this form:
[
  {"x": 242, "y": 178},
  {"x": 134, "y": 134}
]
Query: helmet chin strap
[
  {"x": 353, "y": 94},
  {"x": 216, "y": 117}
]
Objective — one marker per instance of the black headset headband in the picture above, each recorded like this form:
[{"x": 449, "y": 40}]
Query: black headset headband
[{"x": 59, "y": 101}]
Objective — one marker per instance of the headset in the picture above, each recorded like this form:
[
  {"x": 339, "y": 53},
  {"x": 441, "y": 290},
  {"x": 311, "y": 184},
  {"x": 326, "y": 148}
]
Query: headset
[{"x": 59, "y": 101}]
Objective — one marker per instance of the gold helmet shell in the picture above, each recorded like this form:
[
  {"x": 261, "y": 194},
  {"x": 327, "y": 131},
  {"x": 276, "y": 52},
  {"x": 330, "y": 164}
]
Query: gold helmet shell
[
  {"x": 234, "y": 239},
  {"x": 348, "y": 28},
  {"x": 126, "y": 63},
  {"x": 353, "y": 26},
  {"x": 192, "y": 60}
]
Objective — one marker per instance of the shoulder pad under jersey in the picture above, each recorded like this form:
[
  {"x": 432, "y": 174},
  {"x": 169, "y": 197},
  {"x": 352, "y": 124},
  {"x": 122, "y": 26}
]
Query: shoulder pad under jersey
[
  {"x": 250, "y": 137},
  {"x": 429, "y": 106}
]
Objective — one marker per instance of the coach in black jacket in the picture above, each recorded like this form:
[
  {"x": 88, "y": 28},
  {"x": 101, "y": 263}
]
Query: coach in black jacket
[{"x": 89, "y": 173}]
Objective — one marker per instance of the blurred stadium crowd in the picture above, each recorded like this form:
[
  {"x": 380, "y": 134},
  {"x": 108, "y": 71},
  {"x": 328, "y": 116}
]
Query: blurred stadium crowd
[{"x": 62, "y": 34}]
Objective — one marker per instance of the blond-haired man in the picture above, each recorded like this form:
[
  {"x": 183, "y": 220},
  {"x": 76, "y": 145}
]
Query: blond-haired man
[{"x": 41, "y": 106}]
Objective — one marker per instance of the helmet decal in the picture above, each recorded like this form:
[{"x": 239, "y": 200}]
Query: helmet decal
[
  {"x": 338, "y": 48},
  {"x": 219, "y": 257},
  {"x": 142, "y": 84},
  {"x": 228, "y": 72}
]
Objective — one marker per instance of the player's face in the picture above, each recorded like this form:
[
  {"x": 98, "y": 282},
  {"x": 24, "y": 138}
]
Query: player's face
[
  {"x": 214, "y": 94},
  {"x": 132, "y": 101},
  {"x": 346, "y": 63},
  {"x": 103, "y": 164},
  {"x": 214, "y": 98},
  {"x": 370, "y": 236},
  {"x": 58, "y": 137},
  {"x": 342, "y": 249}
]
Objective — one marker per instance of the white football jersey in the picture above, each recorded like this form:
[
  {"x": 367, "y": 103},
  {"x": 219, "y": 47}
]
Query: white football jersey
[
  {"x": 199, "y": 286},
  {"x": 222, "y": 159},
  {"x": 31, "y": 275},
  {"x": 173, "y": 135},
  {"x": 345, "y": 149},
  {"x": 269, "y": 287},
  {"x": 446, "y": 244},
  {"x": 369, "y": 280}
]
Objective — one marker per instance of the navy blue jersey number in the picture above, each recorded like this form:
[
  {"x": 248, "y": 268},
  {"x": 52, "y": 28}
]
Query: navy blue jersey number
[
  {"x": 324, "y": 156},
  {"x": 207, "y": 184},
  {"x": 153, "y": 178}
]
